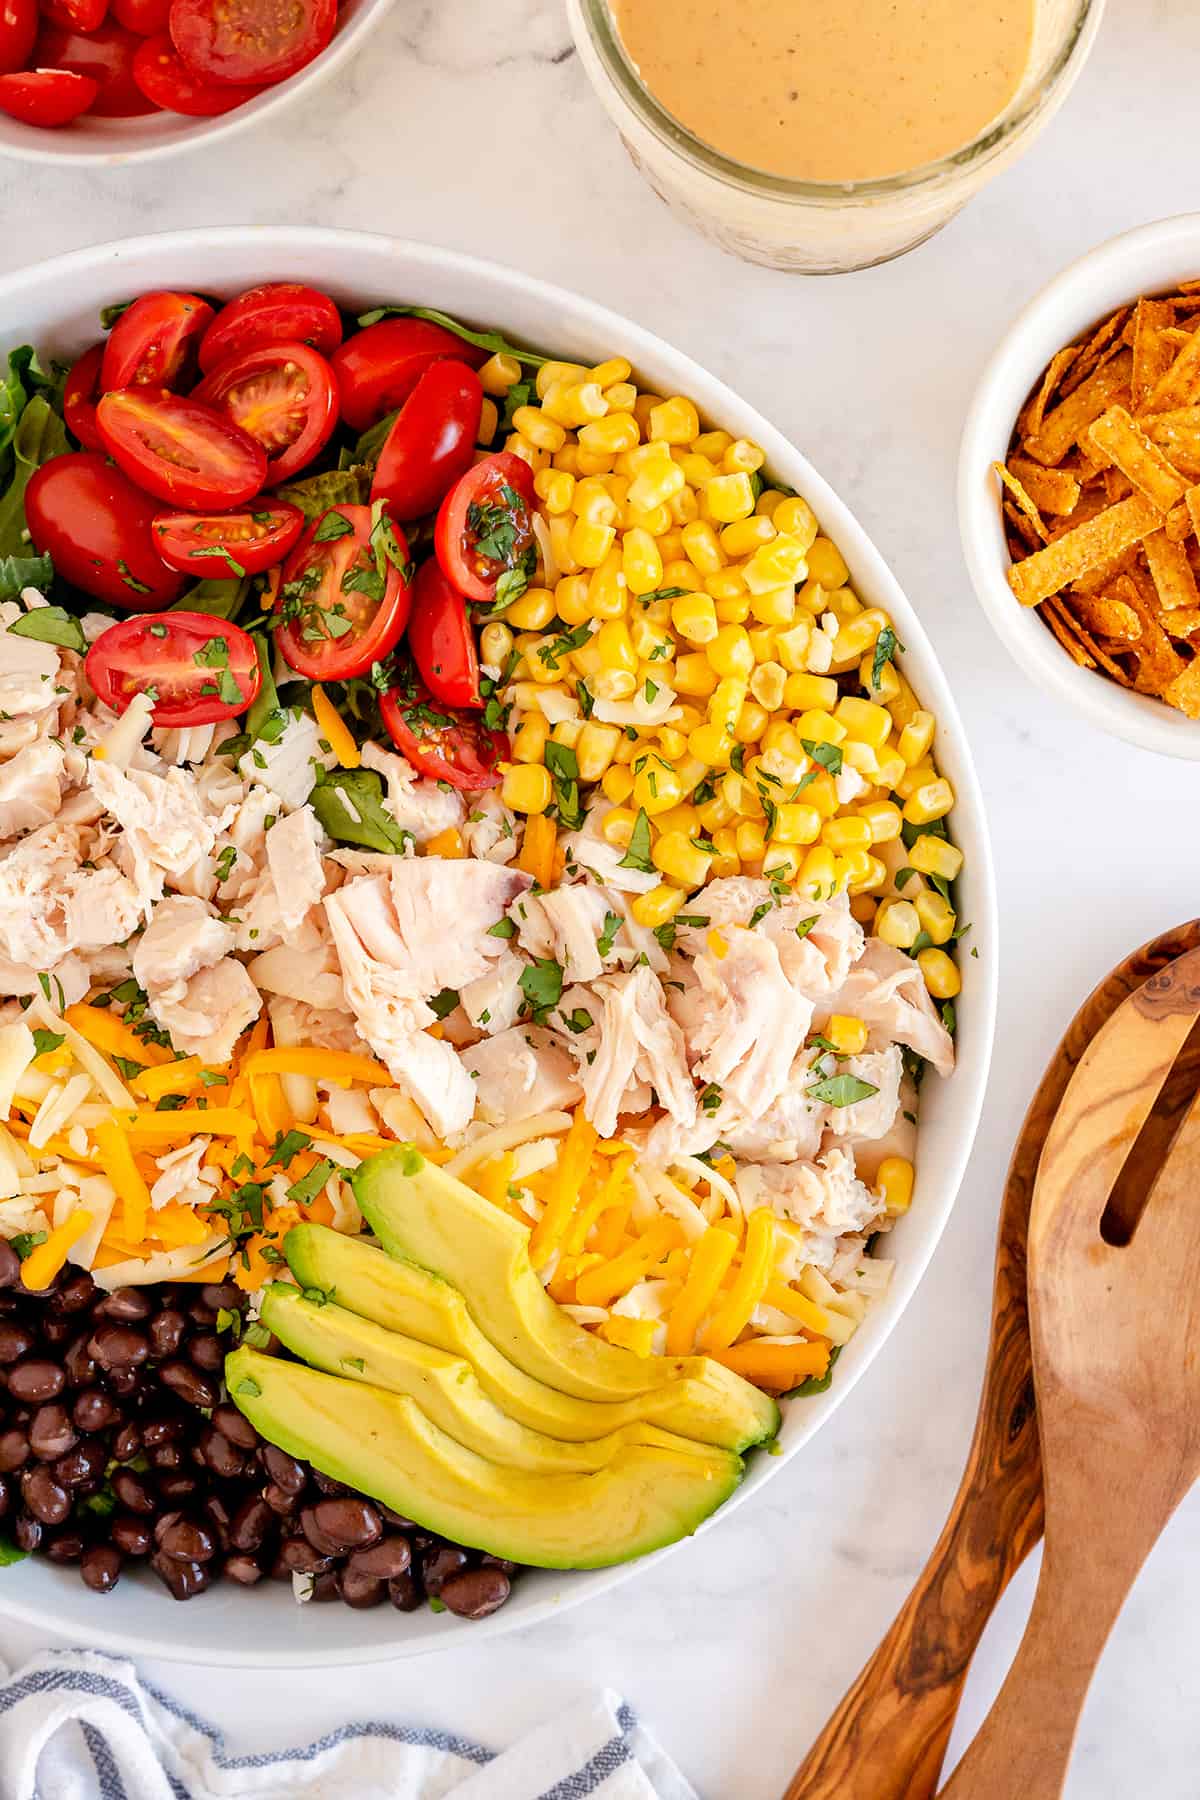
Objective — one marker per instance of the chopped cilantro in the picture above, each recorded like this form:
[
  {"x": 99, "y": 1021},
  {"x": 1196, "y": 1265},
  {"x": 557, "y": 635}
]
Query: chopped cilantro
[
  {"x": 287, "y": 1145},
  {"x": 637, "y": 856},
  {"x": 45, "y": 1041},
  {"x": 608, "y": 936},
  {"x": 503, "y": 928},
  {"x": 828, "y": 755},
  {"x": 443, "y": 1004},
  {"x": 310, "y": 1185},
  {"x": 542, "y": 985},
  {"x": 840, "y": 1090}
]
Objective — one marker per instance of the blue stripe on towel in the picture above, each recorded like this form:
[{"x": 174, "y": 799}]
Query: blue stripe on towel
[{"x": 107, "y": 1772}]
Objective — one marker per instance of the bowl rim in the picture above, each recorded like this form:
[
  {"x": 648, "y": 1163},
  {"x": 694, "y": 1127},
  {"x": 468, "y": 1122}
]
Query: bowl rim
[
  {"x": 1094, "y": 283},
  {"x": 421, "y": 263},
  {"x": 58, "y": 149}
]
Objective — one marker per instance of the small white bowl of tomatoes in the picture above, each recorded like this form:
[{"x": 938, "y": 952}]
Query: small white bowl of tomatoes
[
  {"x": 254, "y": 467},
  {"x": 111, "y": 81}
]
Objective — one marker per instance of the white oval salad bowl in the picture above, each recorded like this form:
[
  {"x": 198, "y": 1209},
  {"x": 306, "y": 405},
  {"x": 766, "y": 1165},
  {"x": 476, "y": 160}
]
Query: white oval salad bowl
[{"x": 55, "y": 307}]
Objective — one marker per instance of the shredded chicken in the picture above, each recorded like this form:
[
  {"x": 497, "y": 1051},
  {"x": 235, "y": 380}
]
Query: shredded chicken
[{"x": 198, "y": 993}]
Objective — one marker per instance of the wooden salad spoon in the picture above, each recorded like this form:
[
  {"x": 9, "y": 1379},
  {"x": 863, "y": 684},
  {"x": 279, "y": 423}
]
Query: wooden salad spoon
[
  {"x": 887, "y": 1739},
  {"x": 1114, "y": 1293}
]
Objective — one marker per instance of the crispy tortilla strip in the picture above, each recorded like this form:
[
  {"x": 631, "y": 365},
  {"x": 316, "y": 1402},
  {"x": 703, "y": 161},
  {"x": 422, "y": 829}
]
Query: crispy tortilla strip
[
  {"x": 1047, "y": 571},
  {"x": 1063, "y": 627},
  {"x": 1104, "y": 343},
  {"x": 1191, "y": 501},
  {"x": 1184, "y": 690},
  {"x": 1142, "y": 463},
  {"x": 1151, "y": 352},
  {"x": 1022, "y": 538},
  {"x": 1180, "y": 386},
  {"x": 1177, "y": 435},
  {"x": 1030, "y": 421},
  {"x": 1109, "y": 386},
  {"x": 1106, "y": 616},
  {"x": 1184, "y": 622},
  {"x": 1178, "y": 523},
  {"x": 1158, "y": 663},
  {"x": 1051, "y": 490},
  {"x": 1023, "y": 501},
  {"x": 1094, "y": 651},
  {"x": 1171, "y": 572}
]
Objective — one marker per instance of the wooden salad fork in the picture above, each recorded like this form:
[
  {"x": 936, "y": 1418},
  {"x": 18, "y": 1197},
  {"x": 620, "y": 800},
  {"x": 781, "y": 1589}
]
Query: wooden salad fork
[{"x": 887, "y": 1739}]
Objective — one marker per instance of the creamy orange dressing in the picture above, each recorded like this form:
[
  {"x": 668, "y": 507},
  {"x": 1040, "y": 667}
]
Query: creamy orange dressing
[{"x": 830, "y": 90}]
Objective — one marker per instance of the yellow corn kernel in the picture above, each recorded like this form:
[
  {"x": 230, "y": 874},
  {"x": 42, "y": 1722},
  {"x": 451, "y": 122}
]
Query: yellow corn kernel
[
  {"x": 711, "y": 745},
  {"x": 495, "y": 644},
  {"x": 715, "y": 813},
  {"x": 613, "y": 368},
  {"x": 793, "y": 647},
  {"x": 862, "y": 907},
  {"x": 777, "y": 606},
  {"x": 608, "y": 597},
  {"x": 616, "y": 783},
  {"x": 888, "y": 685},
  {"x": 796, "y": 517},
  {"x": 884, "y": 821},
  {"x": 774, "y": 565},
  {"x": 590, "y": 544},
  {"x": 796, "y": 822},
  {"x": 559, "y": 529},
  {"x": 593, "y": 463},
  {"x": 863, "y": 719},
  {"x": 729, "y": 497},
  {"x": 750, "y": 839},
  {"x": 695, "y": 618},
  {"x": 613, "y": 684},
  {"x": 533, "y": 611},
  {"x": 656, "y": 787},
  {"x": 526, "y": 787},
  {"x": 676, "y": 857},
  {"x": 874, "y": 876},
  {"x": 529, "y": 739},
  {"x": 847, "y": 833},
  {"x": 848, "y": 1036},
  {"x": 499, "y": 373},
  {"x": 905, "y": 704},
  {"x": 916, "y": 739},
  {"x": 567, "y": 460},
  {"x": 703, "y": 547},
  {"x": 826, "y": 564},
  {"x": 855, "y": 638},
  {"x": 821, "y": 792},
  {"x": 894, "y": 1183},
  {"x": 658, "y": 906},
  {"x": 898, "y": 924},
  {"x": 809, "y": 693},
  {"x": 643, "y": 406},
  {"x": 727, "y": 584},
  {"x": 713, "y": 444},
  {"x": 552, "y": 373},
  {"x": 595, "y": 748},
  {"x": 938, "y": 918},
  {"x": 730, "y": 652},
  {"x": 782, "y": 862},
  {"x": 751, "y": 722},
  {"x": 741, "y": 795},
  {"x": 891, "y": 769},
  {"x": 697, "y": 470},
  {"x": 555, "y": 489},
  {"x": 728, "y": 698},
  {"x": 618, "y": 826},
  {"x": 621, "y": 396},
  {"x": 914, "y": 778},
  {"x": 818, "y": 873},
  {"x": 567, "y": 731},
  {"x": 820, "y": 728},
  {"x": 626, "y": 750},
  {"x": 941, "y": 974},
  {"x": 593, "y": 502},
  {"x": 762, "y": 642},
  {"x": 672, "y": 743},
  {"x": 694, "y": 674},
  {"x": 932, "y": 800},
  {"x": 653, "y": 643},
  {"x": 489, "y": 422},
  {"x": 744, "y": 536},
  {"x": 538, "y": 429},
  {"x": 742, "y": 457},
  {"x": 571, "y": 600},
  {"x": 654, "y": 519},
  {"x": 611, "y": 435},
  {"x": 675, "y": 421},
  {"x": 934, "y": 855},
  {"x": 654, "y": 484},
  {"x": 768, "y": 684},
  {"x": 678, "y": 572},
  {"x": 684, "y": 818},
  {"x": 641, "y": 563},
  {"x": 735, "y": 610}
]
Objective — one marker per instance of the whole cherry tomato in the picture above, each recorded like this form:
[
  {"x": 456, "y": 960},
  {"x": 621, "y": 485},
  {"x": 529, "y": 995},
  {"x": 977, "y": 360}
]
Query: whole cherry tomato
[
  {"x": 96, "y": 526},
  {"x": 278, "y": 312},
  {"x": 18, "y": 29},
  {"x": 378, "y": 368},
  {"x": 432, "y": 441},
  {"x": 46, "y": 97},
  {"x": 105, "y": 56},
  {"x": 80, "y": 395},
  {"x": 164, "y": 81},
  {"x": 441, "y": 639}
]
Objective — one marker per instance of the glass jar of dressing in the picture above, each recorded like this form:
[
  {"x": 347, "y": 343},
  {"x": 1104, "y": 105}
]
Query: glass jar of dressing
[{"x": 826, "y": 136}]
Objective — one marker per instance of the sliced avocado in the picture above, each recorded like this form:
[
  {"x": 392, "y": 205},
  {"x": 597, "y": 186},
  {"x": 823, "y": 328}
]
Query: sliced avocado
[
  {"x": 404, "y": 1298},
  {"x": 445, "y": 1387},
  {"x": 418, "y": 1211},
  {"x": 384, "y": 1445}
]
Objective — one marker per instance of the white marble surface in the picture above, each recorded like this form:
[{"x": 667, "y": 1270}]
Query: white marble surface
[{"x": 466, "y": 122}]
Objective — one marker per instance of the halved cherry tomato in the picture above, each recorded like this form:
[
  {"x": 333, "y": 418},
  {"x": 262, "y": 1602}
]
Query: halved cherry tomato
[
  {"x": 485, "y": 525},
  {"x": 432, "y": 441},
  {"x": 284, "y": 396},
  {"x": 146, "y": 17},
  {"x": 377, "y": 369},
  {"x": 154, "y": 340},
  {"x": 218, "y": 544},
  {"x": 185, "y": 453},
  {"x": 165, "y": 81},
  {"x": 46, "y": 97},
  {"x": 250, "y": 40},
  {"x": 446, "y": 746},
  {"x": 18, "y": 28},
  {"x": 278, "y": 312},
  {"x": 345, "y": 595},
  {"x": 80, "y": 396},
  {"x": 95, "y": 525},
  {"x": 201, "y": 669},
  {"x": 441, "y": 639},
  {"x": 76, "y": 15},
  {"x": 106, "y": 56}
]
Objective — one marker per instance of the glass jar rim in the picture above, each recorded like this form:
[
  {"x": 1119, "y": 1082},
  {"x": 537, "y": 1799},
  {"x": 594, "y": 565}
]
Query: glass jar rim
[{"x": 597, "y": 16}]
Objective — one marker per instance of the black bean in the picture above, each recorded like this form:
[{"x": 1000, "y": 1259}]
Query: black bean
[
  {"x": 218, "y": 1515},
  {"x": 119, "y": 1346},
  {"x": 235, "y": 1426},
  {"x": 79, "y": 1363},
  {"x": 83, "y": 1466},
  {"x": 283, "y": 1470},
  {"x": 489, "y": 1561},
  {"x": 398, "y": 1520},
  {"x": 125, "y": 1382},
  {"x": 101, "y": 1568},
  {"x": 94, "y": 1410},
  {"x": 360, "y": 1590},
  {"x": 279, "y": 1502},
  {"x": 348, "y": 1522},
  {"x": 328, "y": 1485},
  {"x": 36, "y": 1379},
  {"x": 127, "y": 1443},
  {"x": 127, "y": 1305},
  {"x": 207, "y": 1351},
  {"x": 326, "y": 1586},
  {"x": 44, "y": 1497},
  {"x": 56, "y": 1331},
  {"x": 176, "y": 1488},
  {"x": 185, "y": 1539},
  {"x": 404, "y": 1592},
  {"x": 14, "y": 1449},
  {"x": 440, "y": 1565},
  {"x": 132, "y": 1492},
  {"x": 16, "y": 1340},
  {"x": 166, "y": 1332},
  {"x": 51, "y": 1433},
  {"x": 383, "y": 1561},
  {"x": 217, "y": 1453},
  {"x": 299, "y": 1557},
  {"x": 476, "y": 1592},
  {"x": 5, "y": 1496},
  {"x": 133, "y": 1537},
  {"x": 243, "y": 1569},
  {"x": 181, "y": 1578},
  {"x": 64, "y": 1546},
  {"x": 28, "y": 1533},
  {"x": 191, "y": 1386},
  {"x": 76, "y": 1293},
  {"x": 250, "y": 1524},
  {"x": 165, "y": 1456},
  {"x": 223, "y": 1296},
  {"x": 202, "y": 1314},
  {"x": 163, "y": 1428},
  {"x": 10, "y": 1265}
]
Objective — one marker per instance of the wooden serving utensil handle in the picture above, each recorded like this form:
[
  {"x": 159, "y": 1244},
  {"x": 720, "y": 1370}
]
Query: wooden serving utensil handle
[{"x": 887, "y": 1739}]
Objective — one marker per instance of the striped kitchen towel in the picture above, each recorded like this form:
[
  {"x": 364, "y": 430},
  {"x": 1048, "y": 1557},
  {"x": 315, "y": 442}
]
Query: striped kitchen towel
[{"x": 75, "y": 1725}]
